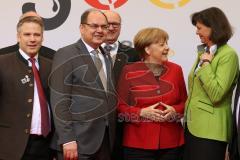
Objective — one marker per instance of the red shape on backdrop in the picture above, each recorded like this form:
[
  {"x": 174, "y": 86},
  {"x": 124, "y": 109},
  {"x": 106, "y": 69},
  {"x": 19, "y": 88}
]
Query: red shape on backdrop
[
  {"x": 119, "y": 3},
  {"x": 99, "y": 5}
]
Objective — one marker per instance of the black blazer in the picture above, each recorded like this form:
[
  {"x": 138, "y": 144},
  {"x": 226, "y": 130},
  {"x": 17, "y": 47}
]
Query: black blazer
[
  {"x": 16, "y": 102},
  {"x": 44, "y": 51},
  {"x": 125, "y": 55},
  {"x": 234, "y": 145}
]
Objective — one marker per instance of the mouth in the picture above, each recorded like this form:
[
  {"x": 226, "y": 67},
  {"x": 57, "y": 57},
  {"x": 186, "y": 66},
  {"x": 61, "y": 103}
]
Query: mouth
[
  {"x": 98, "y": 36},
  {"x": 201, "y": 37},
  {"x": 165, "y": 53},
  {"x": 32, "y": 46}
]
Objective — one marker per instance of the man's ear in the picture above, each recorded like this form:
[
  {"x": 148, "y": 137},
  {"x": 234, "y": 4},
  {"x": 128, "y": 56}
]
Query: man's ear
[
  {"x": 18, "y": 36},
  {"x": 81, "y": 28}
]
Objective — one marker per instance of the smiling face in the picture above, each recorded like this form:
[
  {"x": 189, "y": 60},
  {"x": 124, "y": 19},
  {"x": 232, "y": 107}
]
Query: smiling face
[
  {"x": 157, "y": 52},
  {"x": 94, "y": 31},
  {"x": 204, "y": 33},
  {"x": 30, "y": 37},
  {"x": 114, "y": 21}
]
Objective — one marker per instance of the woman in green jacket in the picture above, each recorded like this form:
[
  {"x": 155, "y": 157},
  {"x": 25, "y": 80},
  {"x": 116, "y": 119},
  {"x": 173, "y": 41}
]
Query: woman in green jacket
[{"x": 211, "y": 82}]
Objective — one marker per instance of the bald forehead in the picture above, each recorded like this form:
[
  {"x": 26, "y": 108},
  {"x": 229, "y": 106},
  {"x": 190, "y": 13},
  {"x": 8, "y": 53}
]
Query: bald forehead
[
  {"x": 111, "y": 15},
  {"x": 94, "y": 14}
]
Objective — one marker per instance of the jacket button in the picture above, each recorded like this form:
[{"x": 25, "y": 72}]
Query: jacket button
[
  {"x": 158, "y": 91},
  {"x": 29, "y": 100},
  {"x": 26, "y": 131},
  {"x": 30, "y": 85},
  {"x": 28, "y": 115}
]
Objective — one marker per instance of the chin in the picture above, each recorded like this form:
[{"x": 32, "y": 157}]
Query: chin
[
  {"x": 32, "y": 54},
  {"x": 165, "y": 59},
  {"x": 98, "y": 42},
  {"x": 203, "y": 41}
]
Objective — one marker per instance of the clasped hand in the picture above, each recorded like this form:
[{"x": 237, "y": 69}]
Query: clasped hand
[
  {"x": 157, "y": 115},
  {"x": 206, "y": 56}
]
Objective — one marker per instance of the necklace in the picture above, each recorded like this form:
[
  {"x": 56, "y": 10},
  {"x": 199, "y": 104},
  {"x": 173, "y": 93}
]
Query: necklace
[{"x": 157, "y": 69}]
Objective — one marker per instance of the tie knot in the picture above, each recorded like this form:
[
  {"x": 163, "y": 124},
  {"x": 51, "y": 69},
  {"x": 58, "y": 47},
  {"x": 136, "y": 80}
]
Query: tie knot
[
  {"x": 32, "y": 60},
  {"x": 95, "y": 52},
  {"x": 108, "y": 47}
]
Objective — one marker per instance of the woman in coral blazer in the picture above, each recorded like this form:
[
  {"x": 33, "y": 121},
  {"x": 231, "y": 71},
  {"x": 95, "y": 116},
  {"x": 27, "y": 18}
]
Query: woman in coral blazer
[
  {"x": 152, "y": 95},
  {"x": 211, "y": 83}
]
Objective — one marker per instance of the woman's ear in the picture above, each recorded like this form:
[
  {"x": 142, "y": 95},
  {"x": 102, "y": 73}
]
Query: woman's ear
[{"x": 147, "y": 50}]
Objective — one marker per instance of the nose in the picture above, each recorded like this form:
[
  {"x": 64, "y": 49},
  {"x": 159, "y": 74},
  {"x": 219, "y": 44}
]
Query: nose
[
  {"x": 99, "y": 29},
  {"x": 197, "y": 32},
  {"x": 32, "y": 38},
  {"x": 166, "y": 46},
  {"x": 110, "y": 27}
]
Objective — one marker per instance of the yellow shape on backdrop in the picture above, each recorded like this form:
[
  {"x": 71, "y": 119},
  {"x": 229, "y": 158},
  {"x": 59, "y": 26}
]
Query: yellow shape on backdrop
[{"x": 169, "y": 5}]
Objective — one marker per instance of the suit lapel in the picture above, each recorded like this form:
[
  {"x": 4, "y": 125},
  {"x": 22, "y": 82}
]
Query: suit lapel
[
  {"x": 108, "y": 62},
  {"x": 120, "y": 61},
  {"x": 235, "y": 128},
  {"x": 86, "y": 57},
  {"x": 236, "y": 96}
]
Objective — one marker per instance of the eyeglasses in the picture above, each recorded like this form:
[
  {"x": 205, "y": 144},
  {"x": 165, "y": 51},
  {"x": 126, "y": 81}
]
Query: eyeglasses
[
  {"x": 114, "y": 25},
  {"x": 96, "y": 26}
]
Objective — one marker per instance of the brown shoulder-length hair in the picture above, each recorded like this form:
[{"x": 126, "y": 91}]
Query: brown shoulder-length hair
[
  {"x": 215, "y": 19},
  {"x": 148, "y": 36}
]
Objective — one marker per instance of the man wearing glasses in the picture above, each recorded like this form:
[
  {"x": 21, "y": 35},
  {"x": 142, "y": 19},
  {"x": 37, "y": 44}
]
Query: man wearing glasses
[
  {"x": 121, "y": 54},
  {"x": 82, "y": 94}
]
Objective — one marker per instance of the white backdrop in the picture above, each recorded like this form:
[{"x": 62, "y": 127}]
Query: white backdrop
[{"x": 136, "y": 14}]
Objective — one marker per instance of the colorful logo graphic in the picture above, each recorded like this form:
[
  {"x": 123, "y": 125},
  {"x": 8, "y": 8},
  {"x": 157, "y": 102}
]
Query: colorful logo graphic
[
  {"x": 170, "y": 4},
  {"x": 110, "y": 4}
]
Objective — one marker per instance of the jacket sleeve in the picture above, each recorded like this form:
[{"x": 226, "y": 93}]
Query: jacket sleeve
[
  {"x": 61, "y": 96},
  {"x": 217, "y": 84}
]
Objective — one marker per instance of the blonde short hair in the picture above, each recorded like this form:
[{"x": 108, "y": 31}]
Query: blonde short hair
[
  {"x": 30, "y": 19},
  {"x": 148, "y": 36}
]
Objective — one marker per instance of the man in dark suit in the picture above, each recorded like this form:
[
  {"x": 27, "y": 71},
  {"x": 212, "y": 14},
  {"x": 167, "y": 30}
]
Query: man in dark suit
[
  {"x": 82, "y": 94},
  {"x": 44, "y": 51},
  {"x": 25, "y": 121},
  {"x": 121, "y": 55},
  {"x": 234, "y": 145}
]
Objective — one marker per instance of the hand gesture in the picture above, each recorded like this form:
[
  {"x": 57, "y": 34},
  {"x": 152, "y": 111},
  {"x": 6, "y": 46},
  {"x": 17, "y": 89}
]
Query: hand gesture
[
  {"x": 169, "y": 113},
  {"x": 152, "y": 113}
]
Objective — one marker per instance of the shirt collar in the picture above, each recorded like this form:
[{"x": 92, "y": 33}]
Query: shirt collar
[
  {"x": 202, "y": 48},
  {"x": 114, "y": 45},
  {"x": 25, "y": 56},
  {"x": 213, "y": 49},
  {"x": 89, "y": 48}
]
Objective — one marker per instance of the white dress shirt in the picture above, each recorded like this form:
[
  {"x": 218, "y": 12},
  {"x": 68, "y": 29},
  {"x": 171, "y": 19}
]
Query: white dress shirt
[
  {"x": 212, "y": 51},
  {"x": 36, "y": 113},
  {"x": 90, "y": 49},
  {"x": 237, "y": 110}
]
